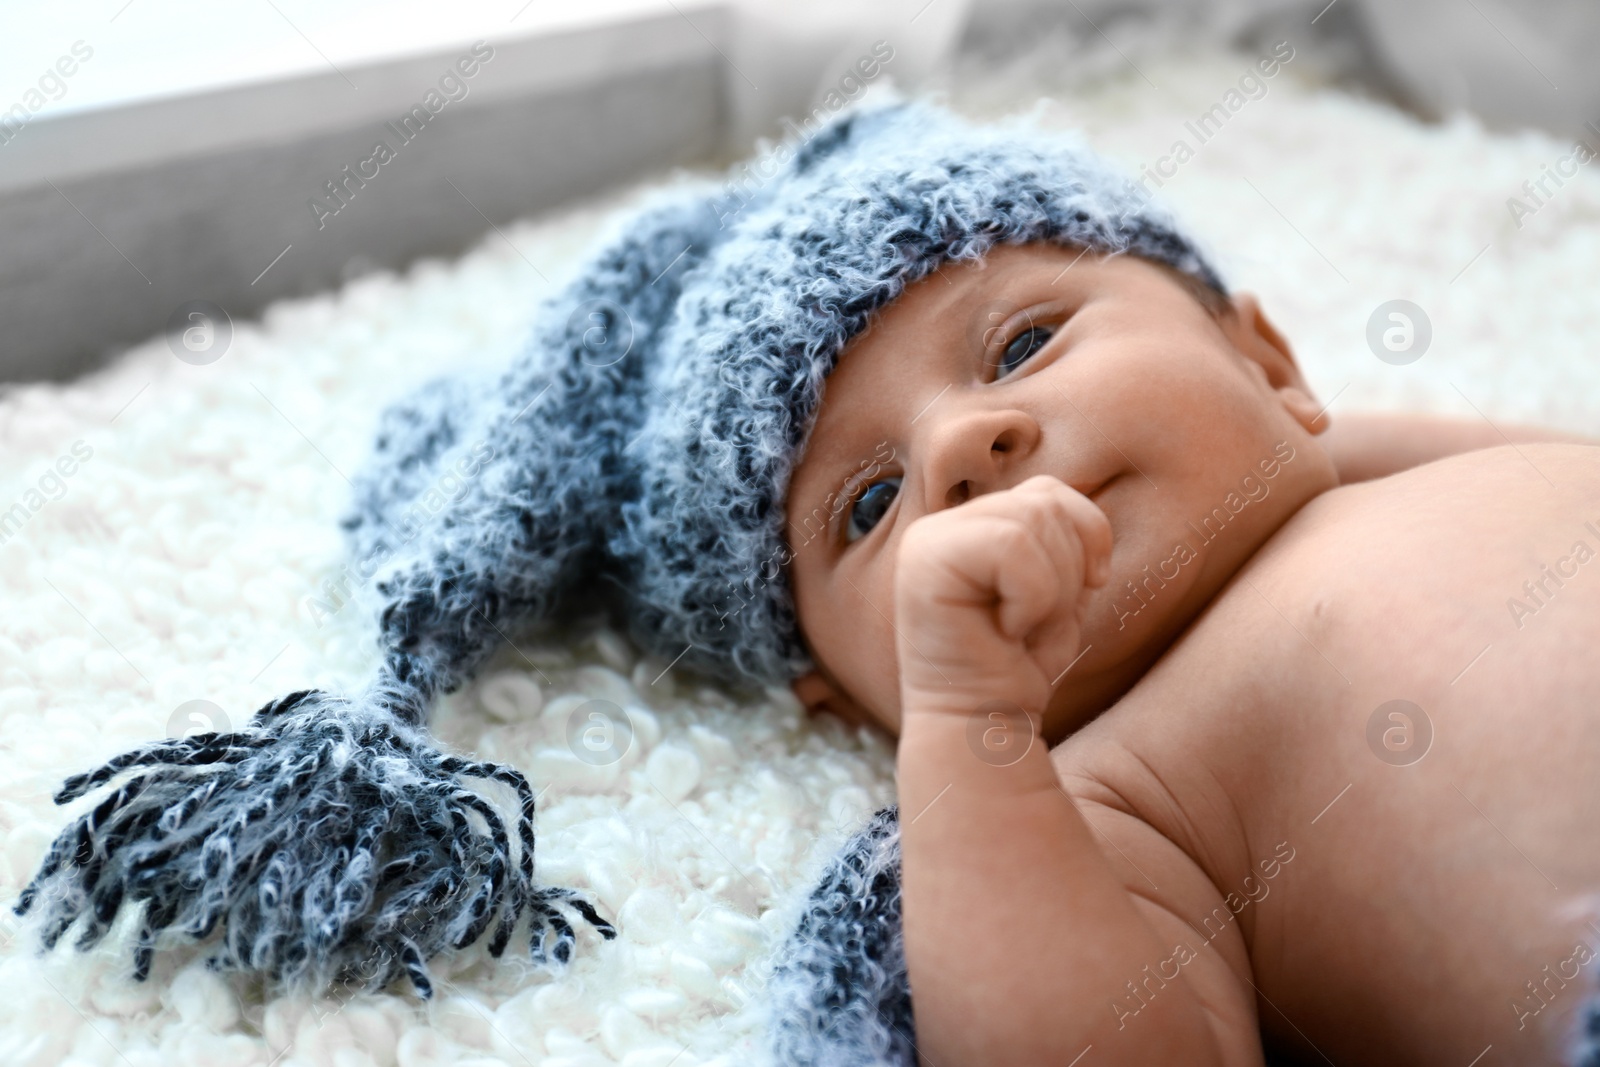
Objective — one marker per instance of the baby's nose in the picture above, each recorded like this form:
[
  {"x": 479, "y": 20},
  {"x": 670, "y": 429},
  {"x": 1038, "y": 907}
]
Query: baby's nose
[{"x": 971, "y": 453}]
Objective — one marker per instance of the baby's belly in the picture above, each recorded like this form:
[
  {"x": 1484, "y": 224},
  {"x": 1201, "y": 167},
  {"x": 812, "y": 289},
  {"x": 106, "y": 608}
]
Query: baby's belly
[{"x": 1434, "y": 763}]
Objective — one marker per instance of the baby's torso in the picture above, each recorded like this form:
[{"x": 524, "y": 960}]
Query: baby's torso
[{"x": 1382, "y": 743}]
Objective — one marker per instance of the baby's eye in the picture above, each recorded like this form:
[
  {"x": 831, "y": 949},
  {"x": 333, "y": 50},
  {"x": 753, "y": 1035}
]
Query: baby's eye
[
  {"x": 1021, "y": 347},
  {"x": 869, "y": 507}
]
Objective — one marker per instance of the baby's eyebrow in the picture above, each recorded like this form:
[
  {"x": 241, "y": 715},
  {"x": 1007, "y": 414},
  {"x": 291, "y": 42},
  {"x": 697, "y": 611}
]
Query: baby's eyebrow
[{"x": 866, "y": 471}]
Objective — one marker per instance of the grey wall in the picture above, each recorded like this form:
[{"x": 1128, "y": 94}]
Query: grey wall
[{"x": 111, "y": 219}]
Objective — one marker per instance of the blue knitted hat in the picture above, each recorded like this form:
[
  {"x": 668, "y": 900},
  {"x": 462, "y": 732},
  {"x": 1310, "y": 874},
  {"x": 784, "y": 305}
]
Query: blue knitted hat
[
  {"x": 640, "y": 446},
  {"x": 871, "y": 204}
]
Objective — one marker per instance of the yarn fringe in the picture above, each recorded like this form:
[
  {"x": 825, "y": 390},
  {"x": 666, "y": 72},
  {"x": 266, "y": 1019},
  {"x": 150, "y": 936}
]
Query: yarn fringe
[{"x": 331, "y": 842}]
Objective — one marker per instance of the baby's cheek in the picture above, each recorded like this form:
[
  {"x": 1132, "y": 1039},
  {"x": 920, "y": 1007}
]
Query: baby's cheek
[{"x": 882, "y": 687}]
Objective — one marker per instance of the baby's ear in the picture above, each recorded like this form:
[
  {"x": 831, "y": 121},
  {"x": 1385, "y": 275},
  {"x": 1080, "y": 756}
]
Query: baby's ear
[{"x": 1259, "y": 341}]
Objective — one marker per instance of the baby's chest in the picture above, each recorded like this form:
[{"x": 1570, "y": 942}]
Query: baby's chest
[{"x": 1403, "y": 838}]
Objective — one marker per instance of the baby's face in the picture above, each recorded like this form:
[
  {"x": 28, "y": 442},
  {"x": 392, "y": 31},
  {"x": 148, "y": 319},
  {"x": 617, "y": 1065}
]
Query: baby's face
[{"x": 1105, "y": 372}]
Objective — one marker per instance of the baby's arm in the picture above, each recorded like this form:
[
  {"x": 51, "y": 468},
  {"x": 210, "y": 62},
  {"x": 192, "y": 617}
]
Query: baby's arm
[
  {"x": 1019, "y": 933},
  {"x": 1367, "y": 446}
]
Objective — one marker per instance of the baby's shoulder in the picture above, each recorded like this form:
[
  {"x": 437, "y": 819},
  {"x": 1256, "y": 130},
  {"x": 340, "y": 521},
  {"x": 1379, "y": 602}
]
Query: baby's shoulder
[
  {"x": 1449, "y": 524},
  {"x": 1382, "y": 585}
]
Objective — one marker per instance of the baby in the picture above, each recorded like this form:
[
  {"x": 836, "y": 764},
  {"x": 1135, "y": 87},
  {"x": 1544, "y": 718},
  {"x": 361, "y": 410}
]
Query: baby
[
  {"x": 1108, "y": 523},
  {"x": 1087, "y": 506},
  {"x": 1195, "y": 743}
]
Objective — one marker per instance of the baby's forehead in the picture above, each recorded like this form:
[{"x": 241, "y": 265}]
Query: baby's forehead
[
  {"x": 979, "y": 294},
  {"x": 969, "y": 304},
  {"x": 971, "y": 289}
]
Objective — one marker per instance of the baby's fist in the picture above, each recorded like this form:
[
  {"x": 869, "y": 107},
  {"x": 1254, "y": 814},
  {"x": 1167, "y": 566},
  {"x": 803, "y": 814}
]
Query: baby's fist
[{"x": 989, "y": 595}]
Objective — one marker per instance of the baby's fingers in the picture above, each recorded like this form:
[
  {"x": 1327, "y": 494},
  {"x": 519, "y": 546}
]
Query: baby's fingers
[
  {"x": 1085, "y": 524},
  {"x": 1031, "y": 567},
  {"x": 988, "y": 562}
]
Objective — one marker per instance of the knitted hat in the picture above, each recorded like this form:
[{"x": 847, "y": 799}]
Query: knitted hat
[
  {"x": 874, "y": 202},
  {"x": 645, "y": 436}
]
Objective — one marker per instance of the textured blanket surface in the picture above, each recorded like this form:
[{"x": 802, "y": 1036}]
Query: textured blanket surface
[{"x": 192, "y": 555}]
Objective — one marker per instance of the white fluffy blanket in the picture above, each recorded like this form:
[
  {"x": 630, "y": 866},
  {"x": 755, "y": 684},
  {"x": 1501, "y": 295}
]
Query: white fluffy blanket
[{"x": 176, "y": 562}]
